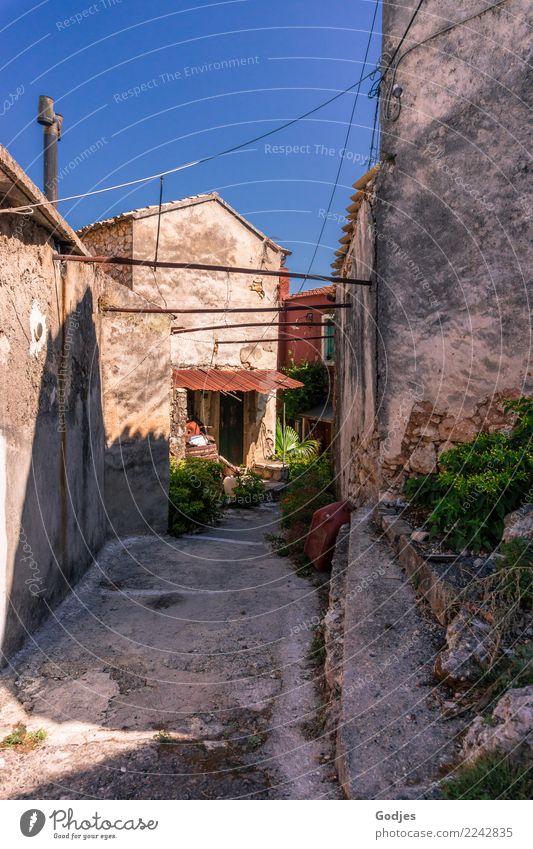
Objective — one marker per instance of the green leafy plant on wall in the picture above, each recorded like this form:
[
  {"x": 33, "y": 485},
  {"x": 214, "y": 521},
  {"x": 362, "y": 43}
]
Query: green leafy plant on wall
[
  {"x": 196, "y": 496},
  {"x": 290, "y": 447},
  {"x": 315, "y": 389},
  {"x": 479, "y": 483}
]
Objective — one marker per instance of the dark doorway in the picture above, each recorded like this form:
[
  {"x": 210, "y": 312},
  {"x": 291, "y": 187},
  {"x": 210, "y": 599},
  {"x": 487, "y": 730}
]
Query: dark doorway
[{"x": 231, "y": 427}]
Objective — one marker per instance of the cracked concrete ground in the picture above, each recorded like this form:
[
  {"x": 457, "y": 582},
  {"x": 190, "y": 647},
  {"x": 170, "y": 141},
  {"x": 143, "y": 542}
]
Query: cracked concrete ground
[{"x": 176, "y": 670}]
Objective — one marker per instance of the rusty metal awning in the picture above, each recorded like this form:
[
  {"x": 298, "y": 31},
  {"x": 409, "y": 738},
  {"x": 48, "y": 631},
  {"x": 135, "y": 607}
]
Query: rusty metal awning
[{"x": 240, "y": 380}]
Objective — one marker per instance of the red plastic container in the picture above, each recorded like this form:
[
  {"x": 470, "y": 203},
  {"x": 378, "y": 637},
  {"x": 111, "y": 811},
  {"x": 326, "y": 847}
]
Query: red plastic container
[{"x": 325, "y": 526}]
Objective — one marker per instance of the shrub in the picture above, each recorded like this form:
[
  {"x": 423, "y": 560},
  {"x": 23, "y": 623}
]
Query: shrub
[
  {"x": 479, "y": 483},
  {"x": 20, "y": 736},
  {"x": 315, "y": 378},
  {"x": 310, "y": 487},
  {"x": 512, "y": 669},
  {"x": 195, "y": 494},
  {"x": 249, "y": 490},
  {"x": 490, "y": 777},
  {"x": 510, "y": 587}
]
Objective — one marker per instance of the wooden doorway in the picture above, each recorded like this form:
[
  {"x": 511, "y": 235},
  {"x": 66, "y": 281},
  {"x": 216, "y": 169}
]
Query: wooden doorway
[{"x": 231, "y": 436}]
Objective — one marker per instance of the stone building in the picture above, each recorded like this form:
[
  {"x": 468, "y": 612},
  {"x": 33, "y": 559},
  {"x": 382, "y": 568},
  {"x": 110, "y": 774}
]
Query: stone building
[
  {"x": 83, "y": 413},
  {"x": 426, "y": 355},
  {"x": 206, "y": 230},
  {"x": 312, "y": 340}
]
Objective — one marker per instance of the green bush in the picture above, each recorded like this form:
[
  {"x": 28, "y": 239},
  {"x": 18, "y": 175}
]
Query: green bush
[
  {"x": 315, "y": 378},
  {"x": 310, "y": 487},
  {"x": 479, "y": 483},
  {"x": 490, "y": 777},
  {"x": 195, "y": 494},
  {"x": 512, "y": 669},
  {"x": 510, "y": 587},
  {"x": 249, "y": 490}
]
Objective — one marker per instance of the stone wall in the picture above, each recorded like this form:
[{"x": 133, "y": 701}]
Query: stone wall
[
  {"x": 112, "y": 240},
  {"x": 449, "y": 224},
  {"x": 178, "y": 422}
]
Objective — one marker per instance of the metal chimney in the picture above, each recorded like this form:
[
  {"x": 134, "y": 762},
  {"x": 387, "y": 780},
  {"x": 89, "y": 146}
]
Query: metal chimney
[{"x": 51, "y": 122}]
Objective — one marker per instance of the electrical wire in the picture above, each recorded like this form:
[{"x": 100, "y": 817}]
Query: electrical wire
[
  {"x": 376, "y": 90},
  {"x": 194, "y": 162},
  {"x": 346, "y": 139}
]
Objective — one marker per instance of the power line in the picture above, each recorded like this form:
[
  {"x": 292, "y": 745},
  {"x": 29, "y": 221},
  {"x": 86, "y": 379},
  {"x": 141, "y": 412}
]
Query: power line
[
  {"x": 404, "y": 36},
  {"x": 341, "y": 161},
  {"x": 194, "y": 162}
]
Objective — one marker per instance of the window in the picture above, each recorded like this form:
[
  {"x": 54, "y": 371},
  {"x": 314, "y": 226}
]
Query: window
[{"x": 329, "y": 341}]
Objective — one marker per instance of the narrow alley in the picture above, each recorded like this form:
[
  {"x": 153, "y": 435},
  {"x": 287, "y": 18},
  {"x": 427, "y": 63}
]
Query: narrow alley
[
  {"x": 266, "y": 421},
  {"x": 177, "y": 669}
]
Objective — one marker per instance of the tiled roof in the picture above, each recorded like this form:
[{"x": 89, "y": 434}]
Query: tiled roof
[
  {"x": 146, "y": 211},
  {"x": 322, "y": 291},
  {"x": 361, "y": 186}
]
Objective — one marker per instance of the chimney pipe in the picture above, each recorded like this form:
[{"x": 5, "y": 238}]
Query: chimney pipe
[{"x": 51, "y": 123}]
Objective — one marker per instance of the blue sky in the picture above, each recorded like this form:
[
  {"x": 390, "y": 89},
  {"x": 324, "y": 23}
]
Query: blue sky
[{"x": 145, "y": 87}]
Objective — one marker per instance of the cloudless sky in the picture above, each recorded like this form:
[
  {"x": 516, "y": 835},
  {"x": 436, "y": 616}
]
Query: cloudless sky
[{"x": 88, "y": 55}]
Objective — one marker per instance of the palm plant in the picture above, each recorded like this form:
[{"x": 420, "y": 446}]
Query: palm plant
[{"x": 289, "y": 445}]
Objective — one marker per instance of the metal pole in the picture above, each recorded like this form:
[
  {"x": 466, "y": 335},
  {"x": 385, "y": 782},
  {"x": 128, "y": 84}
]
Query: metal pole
[
  {"x": 179, "y": 311},
  {"x": 50, "y": 138},
  {"x": 200, "y": 266},
  {"x": 51, "y": 123},
  {"x": 283, "y": 429}
]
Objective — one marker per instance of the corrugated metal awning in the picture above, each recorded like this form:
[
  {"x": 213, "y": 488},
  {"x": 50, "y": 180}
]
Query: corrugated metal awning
[{"x": 240, "y": 380}]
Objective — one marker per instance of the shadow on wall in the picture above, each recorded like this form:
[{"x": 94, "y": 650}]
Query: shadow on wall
[
  {"x": 67, "y": 491},
  {"x": 134, "y": 485},
  {"x": 61, "y": 514}
]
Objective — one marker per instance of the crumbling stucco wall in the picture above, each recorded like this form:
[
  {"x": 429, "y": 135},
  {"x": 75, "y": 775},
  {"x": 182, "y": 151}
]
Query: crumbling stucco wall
[
  {"x": 356, "y": 444},
  {"x": 51, "y": 426},
  {"x": 136, "y": 396},
  {"x": 56, "y": 413},
  {"x": 207, "y": 232},
  {"x": 451, "y": 238}
]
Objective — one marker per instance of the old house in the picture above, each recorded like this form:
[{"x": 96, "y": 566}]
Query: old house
[
  {"x": 311, "y": 340},
  {"x": 312, "y": 337},
  {"x": 443, "y": 335},
  {"x": 224, "y": 346},
  {"x": 84, "y": 410}
]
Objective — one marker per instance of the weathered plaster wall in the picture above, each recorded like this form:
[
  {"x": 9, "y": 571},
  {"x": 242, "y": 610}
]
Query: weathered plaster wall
[
  {"x": 356, "y": 443},
  {"x": 136, "y": 384},
  {"x": 207, "y": 232},
  {"x": 451, "y": 236},
  {"x": 62, "y": 428},
  {"x": 51, "y": 423}
]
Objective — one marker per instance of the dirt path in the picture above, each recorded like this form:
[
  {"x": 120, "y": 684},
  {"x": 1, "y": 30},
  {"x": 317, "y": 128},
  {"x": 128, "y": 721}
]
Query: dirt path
[{"x": 201, "y": 642}]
